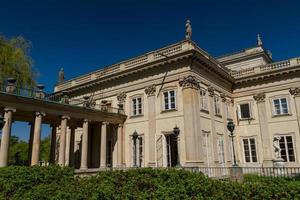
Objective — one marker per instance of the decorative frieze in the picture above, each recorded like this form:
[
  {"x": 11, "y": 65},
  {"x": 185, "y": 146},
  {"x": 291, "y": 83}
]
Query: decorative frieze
[
  {"x": 189, "y": 82},
  {"x": 260, "y": 97},
  {"x": 121, "y": 97},
  {"x": 150, "y": 90},
  {"x": 295, "y": 91}
]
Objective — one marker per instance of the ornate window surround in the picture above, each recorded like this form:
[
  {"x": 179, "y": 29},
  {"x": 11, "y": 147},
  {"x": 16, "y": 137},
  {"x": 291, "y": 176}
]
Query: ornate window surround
[
  {"x": 256, "y": 149},
  {"x": 131, "y": 105},
  {"x": 166, "y": 89},
  {"x": 271, "y": 100},
  {"x": 251, "y": 105}
]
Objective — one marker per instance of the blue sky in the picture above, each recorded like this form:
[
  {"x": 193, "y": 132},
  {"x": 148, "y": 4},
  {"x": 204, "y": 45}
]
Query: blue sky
[{"x": 82, "y": 36}]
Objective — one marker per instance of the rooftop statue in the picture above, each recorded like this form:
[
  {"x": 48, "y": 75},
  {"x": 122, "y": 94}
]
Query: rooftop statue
[
  {"x": 188, "y": 30},
  {"x": 61, "y": 76},
  {"x": 259, "y": 41}
]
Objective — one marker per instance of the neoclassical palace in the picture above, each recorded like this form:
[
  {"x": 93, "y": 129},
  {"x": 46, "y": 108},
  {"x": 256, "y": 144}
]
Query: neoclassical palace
[{"x": 178, "y": 100}]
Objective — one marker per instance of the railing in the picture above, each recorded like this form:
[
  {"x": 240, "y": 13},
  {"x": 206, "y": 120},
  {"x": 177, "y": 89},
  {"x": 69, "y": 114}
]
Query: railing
[
  {"x": 134, "y": 62},
  {"x": 38, "y": 94},
  {"x": 212, "y": 172},
  {"x": 266, "y": 68}
]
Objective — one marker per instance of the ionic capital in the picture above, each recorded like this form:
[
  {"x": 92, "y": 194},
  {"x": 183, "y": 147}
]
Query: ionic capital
[
  {"x": 38, "y": 114},
  {"x": 105, "y": 123},
  {"x": 295, "y": 92},
  {"x": 120, "y": 125},
  {"x": 86, "y": 120},
  {"x": 9, "y": 109},
  {"x": 189, "y": 82},
  {"x": 121, "y": 97},
  {"x": 150, "y": 90},
  {"x": 261, "y": 97},
  {"x": 211, "y": 91},
  {"x": 63, "y": 117}
]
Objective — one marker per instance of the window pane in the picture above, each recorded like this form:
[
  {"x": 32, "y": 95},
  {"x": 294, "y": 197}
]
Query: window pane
[
  {"x": 245, "y": 110},
  {"x": 276, "y": 107},
  {"x": 246, "y": 150},
  {"x": 283, "y": 149}
]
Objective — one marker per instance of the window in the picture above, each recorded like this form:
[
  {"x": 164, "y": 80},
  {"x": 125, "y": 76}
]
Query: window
[
  {"x": 287, "y": 148},
  {"x": 203, "y": 100},
  {"x": 221, "y": 149},
  {"x": 245, "y": 111},
  {"x": 136, "y": 106},
  {"x": 250, "y": 150},
  {"x": 137, "y": 151},
  {"x": 217, "y": 105},
  {"x": 169, "y": 100},
  {"x": 228, "y": 111},
  {"x": 280, "y": 106}
]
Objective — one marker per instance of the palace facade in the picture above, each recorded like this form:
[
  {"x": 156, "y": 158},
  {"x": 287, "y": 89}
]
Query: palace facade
[{"x": 178, "y": 101}]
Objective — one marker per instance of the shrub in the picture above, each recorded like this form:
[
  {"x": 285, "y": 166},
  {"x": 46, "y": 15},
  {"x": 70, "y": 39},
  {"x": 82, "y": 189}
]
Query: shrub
[{"x": 59, "y": 183}]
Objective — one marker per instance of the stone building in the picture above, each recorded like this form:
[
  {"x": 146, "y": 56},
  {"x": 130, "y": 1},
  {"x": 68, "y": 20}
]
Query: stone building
[{"x": 178, "y": 100}]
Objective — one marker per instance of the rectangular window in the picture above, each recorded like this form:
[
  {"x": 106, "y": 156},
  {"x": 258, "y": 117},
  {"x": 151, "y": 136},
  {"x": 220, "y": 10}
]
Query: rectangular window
[
  {"x": 287, "y": 148},
  {"x": 169, "y": 100},
  {"x": 137, "y": 151},
  {"x": 245, "y": 111},
  {"x": 280, "y": 106},
  {"x": 203, "y": 100},
  {"x": 250, "y": 150},
  {"x": 228, "y": 111},
  {"x": 217, "y": 105},
  {"x": 136, "y": 106}
]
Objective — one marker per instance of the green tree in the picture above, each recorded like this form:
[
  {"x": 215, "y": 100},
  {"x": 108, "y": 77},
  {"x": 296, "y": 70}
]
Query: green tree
[
  {"x": 16, "y": 62},
  {"x": 16, "y": 145},
  {"x": 45, "y": 149}
]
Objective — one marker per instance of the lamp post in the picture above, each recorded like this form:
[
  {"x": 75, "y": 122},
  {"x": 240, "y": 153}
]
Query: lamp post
[
  {"x": 176, "y": 132},
  {"x": 230, "y": 127},
  {"x": 134, "y": 137}
]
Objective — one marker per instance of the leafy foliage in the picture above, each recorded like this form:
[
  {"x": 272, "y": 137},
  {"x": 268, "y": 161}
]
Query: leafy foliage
[
  {"x": 15, "y": 61},
  {"x": 59, "y": 183}
]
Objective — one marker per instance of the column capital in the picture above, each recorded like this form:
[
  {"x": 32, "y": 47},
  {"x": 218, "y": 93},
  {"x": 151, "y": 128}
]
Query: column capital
[
  {"x": 9, "y": 109},
  {"x": 121, "y": 97},
  {"x": 223, "y": 97},
  {"x": 62, "y": 117},
  {"x": 38, "y": 113},
  {"x": 120, "y": 125},
  {"x": 295, "y": 91},
  {"x": 211, "y": 91},
  {"x": 150, "y": 90},
  {"x": 105, "y": 123},
  {"x": 189, "y": 82},
  {"x": 261, "y": 97},
  {"x": 86, "y": 120}
]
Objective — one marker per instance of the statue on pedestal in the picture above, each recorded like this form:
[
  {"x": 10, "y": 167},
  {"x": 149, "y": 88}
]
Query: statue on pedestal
[
  {"x": 277, "y": 148},
  {"x": 188, "y": 30},
  {"x": 61, "y": 76}
]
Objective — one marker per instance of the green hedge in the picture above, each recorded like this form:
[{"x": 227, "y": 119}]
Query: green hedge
[{"x": 59, "y": 183}]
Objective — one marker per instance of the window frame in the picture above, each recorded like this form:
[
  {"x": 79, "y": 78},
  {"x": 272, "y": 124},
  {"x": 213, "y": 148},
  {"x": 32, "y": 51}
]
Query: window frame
[
  {"x": 240, "y": 111},
  {"x": 286, "y": 147},
  {"x": 132, "y": 106},
  {"x": 274, "y": 113},
  {"x": 217, "y": 105},
  {"x": 250, "y": 150},
  {"x": 163, "y": 106},
  {"x": 202, "y": 97}
]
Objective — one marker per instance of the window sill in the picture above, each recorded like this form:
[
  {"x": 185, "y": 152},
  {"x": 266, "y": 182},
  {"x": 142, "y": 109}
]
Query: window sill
[
  {"x": 246, "y": 119},
  {"x": 282, "y": 115},
  {"x": 204, "y": 110},
  {"x": 218, "y": 115},
  {"x": 136, "y": 116},
  {"x": 170, "y": 110}
]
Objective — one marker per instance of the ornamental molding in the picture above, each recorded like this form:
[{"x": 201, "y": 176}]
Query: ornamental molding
[
  {"x": 295, "y": 92},
  {"x": 121, "y": 97},
  {"x": 261, "y": 97},
  {"x": 150, "y": 90},
  {"x": 189, "y": 82},
  {"x": 211, "y": 91}
]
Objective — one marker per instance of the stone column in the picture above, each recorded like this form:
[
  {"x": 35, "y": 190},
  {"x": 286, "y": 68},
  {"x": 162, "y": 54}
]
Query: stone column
[
  {"x": 84, "y": 147},
  {"x": 53, "y": 144},
  {"x": 191, "y": 113},
  {"x": 62, "y": 140},
  {"x": 264, "y": 129},
  {"x": 30, "y": 141},
  {"x": 103, "y": 145},
  {"x": 72, "y": 147},
  {"x": 6, "y": 132},
  {"x": 296, "y": 93},
  {"x": 120, "y": 146},
  {"x": 150, "y": 137},
  {"x": 225, "y": 133},
  {"x": 213, "y": 138},
  {"x": 68, "y": 141},
  {"x": 35, "y": 156}
]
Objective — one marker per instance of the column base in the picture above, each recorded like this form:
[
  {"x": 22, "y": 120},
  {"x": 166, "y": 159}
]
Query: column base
[
  {"x": 267, "y": 163},
  {"x": 152, "y": 164}
]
